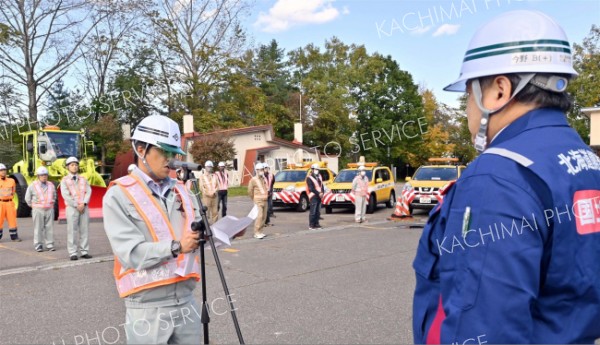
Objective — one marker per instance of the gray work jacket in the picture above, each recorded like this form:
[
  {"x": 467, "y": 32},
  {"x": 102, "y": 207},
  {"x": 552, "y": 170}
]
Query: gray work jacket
[{"x": 134, "y": 247}]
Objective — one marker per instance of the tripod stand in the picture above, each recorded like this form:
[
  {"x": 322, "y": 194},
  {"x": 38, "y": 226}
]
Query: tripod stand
[{"x": 206, "y": 234}]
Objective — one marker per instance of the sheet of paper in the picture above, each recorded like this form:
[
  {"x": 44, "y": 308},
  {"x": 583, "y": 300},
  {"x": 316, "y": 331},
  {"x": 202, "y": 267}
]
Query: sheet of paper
[{"x": 227, "y": 227}]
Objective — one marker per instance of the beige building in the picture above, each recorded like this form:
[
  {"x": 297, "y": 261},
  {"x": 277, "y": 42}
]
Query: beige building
[
  {"x": 594, "y": 115},
  {"x": 259, "y": 144}
]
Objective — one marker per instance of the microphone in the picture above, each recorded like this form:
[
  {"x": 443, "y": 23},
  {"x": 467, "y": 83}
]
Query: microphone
[{"x": 175, "y": 164}]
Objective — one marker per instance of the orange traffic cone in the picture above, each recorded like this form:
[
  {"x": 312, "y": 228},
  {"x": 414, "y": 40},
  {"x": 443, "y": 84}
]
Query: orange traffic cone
[{"x": 401, "y": 212}]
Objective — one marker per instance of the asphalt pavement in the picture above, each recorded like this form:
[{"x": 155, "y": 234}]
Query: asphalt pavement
[{"x": 345, "y": 284}]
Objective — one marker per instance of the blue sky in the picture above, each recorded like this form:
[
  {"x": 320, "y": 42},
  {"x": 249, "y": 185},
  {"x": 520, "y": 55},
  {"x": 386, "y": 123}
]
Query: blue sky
[{"x": 427, "y": 38}]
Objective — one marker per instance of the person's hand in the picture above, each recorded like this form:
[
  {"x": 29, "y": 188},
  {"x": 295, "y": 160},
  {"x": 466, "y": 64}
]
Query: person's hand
[
  {"x": 80, "y": 208},
  {"x": 189, "y": 241}
]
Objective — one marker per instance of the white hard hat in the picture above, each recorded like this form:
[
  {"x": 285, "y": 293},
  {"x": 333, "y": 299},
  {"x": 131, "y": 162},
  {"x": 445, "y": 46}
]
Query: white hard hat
[
  {"x": 265, "y": 165},
  {"x": 221, "y": 164},
  {"x": 72, "y": 160},
  {"x": 361, "y": 167},
  {"x": 209, "y": 164},
  {"x": 314, "y": 166},
  {"x": 520, "y": 41},
  {"x": 41, "y": 171},
  {"x": 259, "y": 166},
  {"x": 131, "y": 168},
  {"x": 2, "y": 166},
  {"x": 161, "y": 131}
]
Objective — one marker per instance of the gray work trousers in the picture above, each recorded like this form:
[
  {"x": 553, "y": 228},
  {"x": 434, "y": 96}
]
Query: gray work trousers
[
  {"x": 360, "y": 208},
  {"x": 164, "y": 325},
  {"x": 77, "y": 231},
  {"x": 43, "y": 227}
]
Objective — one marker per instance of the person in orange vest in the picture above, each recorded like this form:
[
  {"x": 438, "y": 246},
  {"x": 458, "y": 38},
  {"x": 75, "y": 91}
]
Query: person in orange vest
[
  {"x": 7, "y": 205},
  {"x": 41, "y": 196},
  {"x": 258, "y": 192},
  {"x": 270, "y": 183},
  {"x": 360, "y": 189},
  {"x": 223, "y": 181},
  {"x": 148, "y": 218},
  {"x": 208, "y": 188},
  {"x": 314, "y": 187},
  {"x": 76, "y": 192}
]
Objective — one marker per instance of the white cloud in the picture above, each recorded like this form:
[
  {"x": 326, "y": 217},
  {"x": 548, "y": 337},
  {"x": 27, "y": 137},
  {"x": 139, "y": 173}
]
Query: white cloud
[
  {"x": 287, "y": 13},
  {"x": 420, "y": 30},
  {"x": 446, "y": 29}
]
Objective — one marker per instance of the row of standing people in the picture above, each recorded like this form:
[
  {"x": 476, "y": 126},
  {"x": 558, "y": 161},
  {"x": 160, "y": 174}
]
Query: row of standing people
[{"x": 41, "y": 197}]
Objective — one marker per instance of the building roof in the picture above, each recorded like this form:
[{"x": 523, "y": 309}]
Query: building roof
[{"x": 252, "y": 129}]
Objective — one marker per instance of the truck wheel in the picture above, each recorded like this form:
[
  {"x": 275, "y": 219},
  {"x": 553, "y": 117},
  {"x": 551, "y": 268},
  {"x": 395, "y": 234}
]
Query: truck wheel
[
  {"x": 372, "y": 204},
  {"x": 328, "y": 210},
  {"x": 392, "y": 201},
  {"x": 302, "y": 204},
  {"x": 23, "y": 210}
]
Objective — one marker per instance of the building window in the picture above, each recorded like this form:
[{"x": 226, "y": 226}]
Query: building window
[
  {"x": 235, "y": 164},
  {"x": 280, "y": 163},
  {"x": 257, "y": 137}
]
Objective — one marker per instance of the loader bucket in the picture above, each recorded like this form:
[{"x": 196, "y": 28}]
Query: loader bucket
[{"x": 94, "y": 207}]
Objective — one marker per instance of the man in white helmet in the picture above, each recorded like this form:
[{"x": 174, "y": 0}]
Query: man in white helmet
[
  {"x": 511, "y": 255},
  {"x": 209, "y": 187},
  {"x": 223, "y": 181},
  {"x": 8, "y": 211},
  {"x": 41, "y": 196},
  {"x": 147, "y": 218},
  {"x": 360, "y": 189},
  {"x": 314, "y": 187},
  {"x": 259, "y": 193},
  {"x": 76, "y": 192}
]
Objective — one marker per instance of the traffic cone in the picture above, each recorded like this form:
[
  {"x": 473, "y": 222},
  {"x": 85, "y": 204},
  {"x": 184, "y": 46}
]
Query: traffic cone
[{"x": 401, "y": 212}]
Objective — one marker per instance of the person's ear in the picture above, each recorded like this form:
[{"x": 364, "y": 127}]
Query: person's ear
[{"x": 497, "y": 94}]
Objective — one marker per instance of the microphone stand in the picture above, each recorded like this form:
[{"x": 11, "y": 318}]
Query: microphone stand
[{"x": 206, "y": 233}]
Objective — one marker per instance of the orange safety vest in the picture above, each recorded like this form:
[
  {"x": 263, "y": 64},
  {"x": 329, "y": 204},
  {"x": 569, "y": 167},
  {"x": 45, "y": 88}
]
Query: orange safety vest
[
  {"x": 209, "y": 185},
  {"x": 45, "y": 200},
  {"x": 7, "y": 189},
  {"x": 223, "y": 180},
  {"x": 316, "y": 183},
  {"x": 79, "y": 192},
  {"x": 184, "y": 267}
]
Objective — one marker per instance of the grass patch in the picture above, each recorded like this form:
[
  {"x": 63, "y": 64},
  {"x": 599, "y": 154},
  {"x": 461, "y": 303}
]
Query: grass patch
[{"x": 237, "y": 191}]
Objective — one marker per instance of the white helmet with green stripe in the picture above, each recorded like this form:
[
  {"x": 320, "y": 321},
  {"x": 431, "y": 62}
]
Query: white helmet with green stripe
[
  {"x": 161, "y": 131},
  {"x": 520, "y": 42}
]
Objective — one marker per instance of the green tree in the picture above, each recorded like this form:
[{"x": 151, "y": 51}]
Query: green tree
[
  {"x": 389, "y": 108},
  {"x": 213, "y": 147},
  {"x": 586, "y": 87}
]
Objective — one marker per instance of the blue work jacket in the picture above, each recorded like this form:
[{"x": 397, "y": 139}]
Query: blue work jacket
[{"x": 512, "y": 255}]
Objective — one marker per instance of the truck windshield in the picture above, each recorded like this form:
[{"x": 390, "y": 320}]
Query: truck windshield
[
  {"x": 63, "y": 145},
  {"x": 291, "y": 176},
  {"x": 436, "y": 174},
  {"x": 348, "y": 175}
]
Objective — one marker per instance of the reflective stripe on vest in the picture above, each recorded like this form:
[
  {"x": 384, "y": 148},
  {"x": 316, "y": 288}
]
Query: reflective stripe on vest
[
  {"x": 44, "y": 199},
  {"x": 77, "y": 193},
  {"x": 184, "y": 267},
  {"x": 223, "y": 180},
  {"x": 316, "y": 184}
]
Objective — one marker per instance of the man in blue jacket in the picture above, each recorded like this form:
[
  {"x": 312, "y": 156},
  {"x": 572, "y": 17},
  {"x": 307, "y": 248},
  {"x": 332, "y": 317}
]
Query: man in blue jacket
[{"x": 513, "y": 253}]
